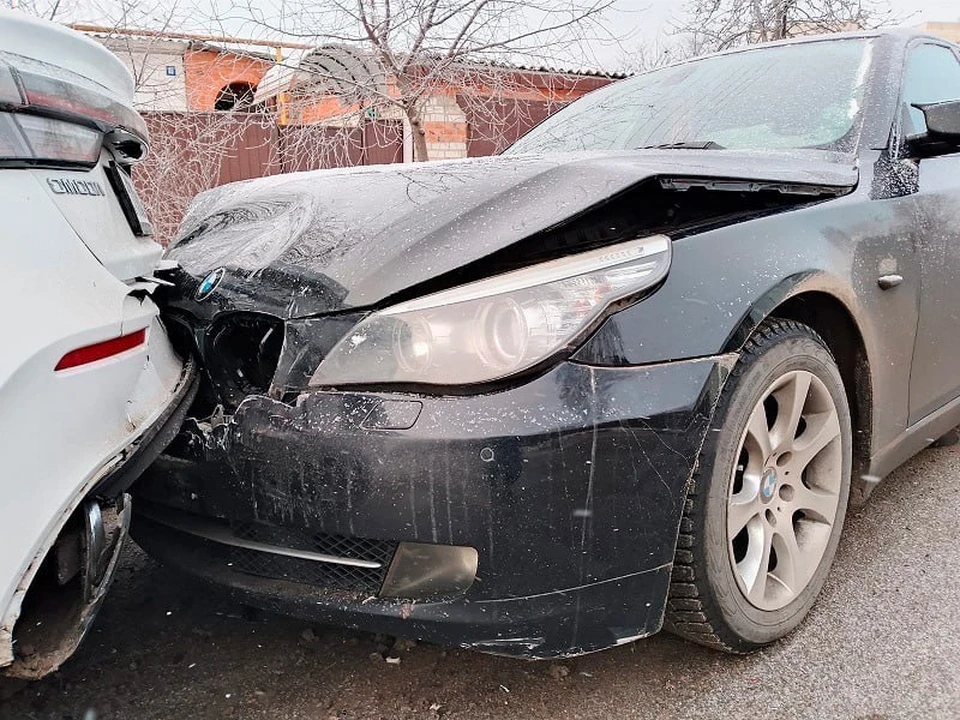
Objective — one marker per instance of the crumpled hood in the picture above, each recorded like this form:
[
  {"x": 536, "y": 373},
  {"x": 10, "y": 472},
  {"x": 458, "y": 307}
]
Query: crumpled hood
[{"x": 332, "y": 240}]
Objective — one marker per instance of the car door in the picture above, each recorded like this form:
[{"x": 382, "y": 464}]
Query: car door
[{"x": 932, "y": 74}]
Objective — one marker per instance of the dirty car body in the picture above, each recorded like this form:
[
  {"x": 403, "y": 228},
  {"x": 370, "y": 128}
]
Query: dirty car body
[
  {"x": 90, "y": 387},
  {"x": 528, "y": 503}
]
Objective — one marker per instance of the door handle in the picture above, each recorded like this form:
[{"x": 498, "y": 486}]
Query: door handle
[{"x": 889, "y": 281}]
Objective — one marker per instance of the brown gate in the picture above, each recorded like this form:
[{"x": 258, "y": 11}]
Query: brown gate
[{"x": 193, "y": 152}]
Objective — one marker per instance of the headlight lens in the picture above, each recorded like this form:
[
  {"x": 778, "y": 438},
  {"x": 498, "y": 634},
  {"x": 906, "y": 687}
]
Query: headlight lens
[{"x": 497, "y": 327}]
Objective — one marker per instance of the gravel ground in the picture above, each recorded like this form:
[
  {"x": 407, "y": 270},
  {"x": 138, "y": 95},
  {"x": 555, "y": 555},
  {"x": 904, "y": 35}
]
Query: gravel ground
[{"x": 883, "y": 642}]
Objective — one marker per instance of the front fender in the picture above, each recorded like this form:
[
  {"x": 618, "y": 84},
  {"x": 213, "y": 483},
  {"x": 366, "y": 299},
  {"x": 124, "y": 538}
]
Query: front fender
[{"x": 724, "y": 282}]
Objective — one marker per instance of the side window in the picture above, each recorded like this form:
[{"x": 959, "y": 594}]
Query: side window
[{"x": 932, "y": 75}]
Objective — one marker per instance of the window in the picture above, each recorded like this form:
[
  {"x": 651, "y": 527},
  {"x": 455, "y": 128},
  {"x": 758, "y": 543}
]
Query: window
[
  {"x": 795, "y": 96},
  {"x": 236, "y": 96},
  {"x": 932, "y": 75}
]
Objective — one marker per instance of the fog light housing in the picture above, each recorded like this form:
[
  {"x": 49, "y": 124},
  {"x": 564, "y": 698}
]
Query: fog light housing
[{"x": 422, "y": 571}]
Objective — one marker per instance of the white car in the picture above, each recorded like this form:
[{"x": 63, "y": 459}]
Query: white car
[{"x": 90, "y": 386}]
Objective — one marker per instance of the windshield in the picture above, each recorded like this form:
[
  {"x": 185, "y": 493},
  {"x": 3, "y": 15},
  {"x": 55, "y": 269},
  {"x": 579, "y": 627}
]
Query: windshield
[{"x": 807, "y": 95}]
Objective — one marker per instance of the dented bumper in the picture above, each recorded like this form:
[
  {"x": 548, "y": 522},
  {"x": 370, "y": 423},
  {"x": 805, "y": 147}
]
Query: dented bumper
[{"x": 569, "y": 488}]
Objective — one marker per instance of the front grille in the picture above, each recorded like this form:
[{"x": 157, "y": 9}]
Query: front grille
[
  {"x": 241, "y": 352},
  {"x": 180, "y": 332}
]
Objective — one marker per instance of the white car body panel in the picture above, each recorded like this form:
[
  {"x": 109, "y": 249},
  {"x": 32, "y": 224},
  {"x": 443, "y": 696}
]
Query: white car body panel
[
  {"x": 37, "y": 39},
  {"x": 121, "y": 252},
  {"x": 71, "y": 269}
]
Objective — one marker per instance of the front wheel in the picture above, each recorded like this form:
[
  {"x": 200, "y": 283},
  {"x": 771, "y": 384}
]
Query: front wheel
[{"x": 765, "y": 508}]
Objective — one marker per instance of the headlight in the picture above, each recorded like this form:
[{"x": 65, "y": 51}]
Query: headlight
[{"x": 496, "y": 327}]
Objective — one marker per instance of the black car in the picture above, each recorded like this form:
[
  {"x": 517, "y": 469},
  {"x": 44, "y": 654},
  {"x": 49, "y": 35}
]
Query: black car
[{"x": 625, "y": 375}]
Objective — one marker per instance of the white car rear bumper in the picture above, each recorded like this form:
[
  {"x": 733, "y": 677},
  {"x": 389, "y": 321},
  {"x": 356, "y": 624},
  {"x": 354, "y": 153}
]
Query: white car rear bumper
[{"x": 164, "y": 394}]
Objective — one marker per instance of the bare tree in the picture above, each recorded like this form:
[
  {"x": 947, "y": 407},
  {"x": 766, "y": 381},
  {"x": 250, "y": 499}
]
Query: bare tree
[
  {"x": 415, "y": 49},
  {"x": 384, "y": 63},
  {"x": 720, "y": 24},
  {"x": 651, "y": 55}
]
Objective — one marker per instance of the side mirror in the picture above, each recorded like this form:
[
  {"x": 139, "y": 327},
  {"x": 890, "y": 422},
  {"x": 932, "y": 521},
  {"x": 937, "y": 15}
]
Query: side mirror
[{"x": 943, "y": 123}]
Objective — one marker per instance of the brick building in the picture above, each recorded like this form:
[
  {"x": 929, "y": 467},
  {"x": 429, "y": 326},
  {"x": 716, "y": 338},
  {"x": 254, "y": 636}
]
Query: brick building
[
  {"x": 193, "y": 73},
  {"x": 476, "y": 110},
  {"x": 217, "y": 79},
  {"x": 182, "y": 72}
]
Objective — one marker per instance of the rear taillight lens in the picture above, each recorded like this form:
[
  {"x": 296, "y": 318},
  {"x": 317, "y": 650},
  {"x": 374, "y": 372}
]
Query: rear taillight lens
[
  {"x": 43, "y": 140},
  {"x": 9, "y": 88},
  {"x": 12, "y": 142},
  {"x": 49, "y": 115}
]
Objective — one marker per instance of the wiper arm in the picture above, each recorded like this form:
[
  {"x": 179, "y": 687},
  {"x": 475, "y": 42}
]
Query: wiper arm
[{"x": 688, "y": 145}]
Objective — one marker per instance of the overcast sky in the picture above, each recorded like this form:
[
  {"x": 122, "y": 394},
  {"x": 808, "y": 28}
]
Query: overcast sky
[
  {"x": 657, "y": 13},
  {"x": 647, "y": 21},
  {"x": 654, "y": 18}
]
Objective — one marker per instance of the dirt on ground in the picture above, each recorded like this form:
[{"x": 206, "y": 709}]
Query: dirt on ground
[{"x": 883, "y": 642}]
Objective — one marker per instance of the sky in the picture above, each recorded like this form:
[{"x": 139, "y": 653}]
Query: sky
[
  {"x": 648, "y": 23},
  {"x": 658, "y": 13},
  {"x": 653, "y": 19}
]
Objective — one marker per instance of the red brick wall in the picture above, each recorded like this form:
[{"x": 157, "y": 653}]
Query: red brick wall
[{"x": 206, "y": 73}]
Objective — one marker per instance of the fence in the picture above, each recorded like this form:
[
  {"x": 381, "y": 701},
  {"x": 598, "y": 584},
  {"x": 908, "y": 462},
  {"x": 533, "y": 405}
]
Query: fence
[
  {"x": 493, "y": 125},
  {"x": 193, "y": 152}
]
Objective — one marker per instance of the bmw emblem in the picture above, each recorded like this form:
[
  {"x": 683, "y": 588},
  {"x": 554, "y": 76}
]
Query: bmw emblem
[
  {"x": 209, "y": 284},
  {"x": 768, "y": 483}
]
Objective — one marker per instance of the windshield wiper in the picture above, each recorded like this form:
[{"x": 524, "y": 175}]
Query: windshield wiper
[{"x": 689, "y": 145}]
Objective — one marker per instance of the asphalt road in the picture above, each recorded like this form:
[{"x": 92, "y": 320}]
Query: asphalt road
[{"x": 883, "y": 642}]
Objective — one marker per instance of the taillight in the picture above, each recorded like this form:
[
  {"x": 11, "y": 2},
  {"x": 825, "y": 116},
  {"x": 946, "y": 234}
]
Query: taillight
[
  {"x": 49, "y": 115},
  {"x": 9, "y": 88},
  {"x": 37, "y": 139}
]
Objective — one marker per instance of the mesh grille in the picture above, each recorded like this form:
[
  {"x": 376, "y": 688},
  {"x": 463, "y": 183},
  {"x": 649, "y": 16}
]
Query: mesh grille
[
  {"x": 329, "y": 577},
  {"x": 340, "y": 578},
  {"x": 337, "y": 545}
]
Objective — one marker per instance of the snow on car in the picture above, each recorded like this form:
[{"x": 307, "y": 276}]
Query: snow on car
[{"x": 90, "y": 387}]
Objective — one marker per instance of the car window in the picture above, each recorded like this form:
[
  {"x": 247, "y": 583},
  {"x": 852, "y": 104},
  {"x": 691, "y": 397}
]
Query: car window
[
  {"x": 932, "y": 75},
  {"x": 793, "y": 96}
]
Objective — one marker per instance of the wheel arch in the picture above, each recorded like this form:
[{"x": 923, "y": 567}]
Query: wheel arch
[{"x": 834, "y": 322}]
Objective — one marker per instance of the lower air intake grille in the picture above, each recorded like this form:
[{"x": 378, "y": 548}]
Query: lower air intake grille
[
  {"x": 258, "y": 549},
  {"x": 338, "y": 578},
  {"x": 346, "y": 578},
  {"x": 379, "y": 551}
]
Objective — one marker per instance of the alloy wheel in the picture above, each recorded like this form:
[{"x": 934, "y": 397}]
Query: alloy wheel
[{"x": 784, "y": 490}]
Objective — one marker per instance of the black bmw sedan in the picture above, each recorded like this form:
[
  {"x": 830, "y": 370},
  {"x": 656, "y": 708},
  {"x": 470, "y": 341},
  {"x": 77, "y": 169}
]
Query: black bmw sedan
[{"x": 627, "y": 375}]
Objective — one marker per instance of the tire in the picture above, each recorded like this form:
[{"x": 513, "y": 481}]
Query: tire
[
  {"x": 724, "y": 592},
  {"x": 947, "y": 439}
]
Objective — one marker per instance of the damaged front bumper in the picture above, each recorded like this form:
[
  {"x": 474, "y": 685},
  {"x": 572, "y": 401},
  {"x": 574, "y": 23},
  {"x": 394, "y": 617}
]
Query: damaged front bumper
[{"x": 563, "y": 496}]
